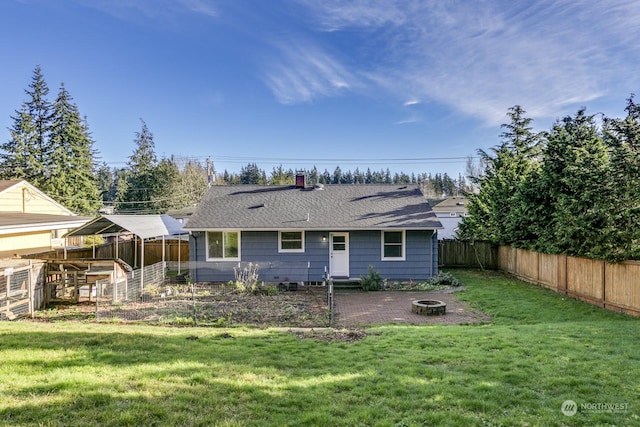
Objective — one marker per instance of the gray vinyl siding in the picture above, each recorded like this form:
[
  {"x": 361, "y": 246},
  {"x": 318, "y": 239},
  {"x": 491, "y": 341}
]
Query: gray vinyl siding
[
  {"x": 261, "y": 248},
  {"x": 366, "y": 249}
]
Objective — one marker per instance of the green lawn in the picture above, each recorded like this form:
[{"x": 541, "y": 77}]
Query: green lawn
[{"x": 540, "y": 350}]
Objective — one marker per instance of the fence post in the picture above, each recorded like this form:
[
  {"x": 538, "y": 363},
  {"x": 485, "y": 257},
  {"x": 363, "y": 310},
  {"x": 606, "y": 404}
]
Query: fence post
[
  {"x": 98, "y": 293},
  {"x": 193, "y": 300},
  {"x": 330, "y": 299},
  {"x": 30, "y": 284},
  {"x": 604, "y": 283},
  {"x": 8, "y": 276}
]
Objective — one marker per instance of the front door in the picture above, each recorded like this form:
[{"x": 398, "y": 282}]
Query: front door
[{"x": 339, "y": 255}]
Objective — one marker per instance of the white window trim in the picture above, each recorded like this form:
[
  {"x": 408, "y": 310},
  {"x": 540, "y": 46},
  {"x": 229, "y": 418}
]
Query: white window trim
[
  {"x": 223, "y": 231},
  {"x": 280, "y": 250},
  {"x": 404, "y": 246}
]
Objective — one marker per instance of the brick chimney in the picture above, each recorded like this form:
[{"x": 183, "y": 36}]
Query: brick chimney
[{"x": 300, "y": 178}]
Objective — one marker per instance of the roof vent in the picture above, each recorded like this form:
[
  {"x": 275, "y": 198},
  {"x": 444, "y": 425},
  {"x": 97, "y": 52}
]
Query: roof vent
[{"x": 318, "y": 186}]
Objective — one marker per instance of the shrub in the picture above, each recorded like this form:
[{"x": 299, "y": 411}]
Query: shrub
[
  {"x": 269, "y": 290},
  {"x": 372, "y": 281},
  {"x": 444, "y": 279},
  {"x": 90, "y": 241}
]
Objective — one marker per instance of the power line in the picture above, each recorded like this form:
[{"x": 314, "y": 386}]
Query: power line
[{"x": 311, "y": 160}]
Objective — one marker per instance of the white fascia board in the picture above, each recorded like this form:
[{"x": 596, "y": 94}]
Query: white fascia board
[{"x": 40, "y": 227}]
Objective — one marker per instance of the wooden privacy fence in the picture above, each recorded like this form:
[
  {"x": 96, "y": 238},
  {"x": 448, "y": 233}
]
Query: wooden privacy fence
[
  {"x": 455, "y": 253},
  {"x": 612, "y": 286}
]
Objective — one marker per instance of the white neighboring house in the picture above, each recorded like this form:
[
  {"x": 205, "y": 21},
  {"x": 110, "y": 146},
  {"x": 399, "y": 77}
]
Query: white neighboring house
[
  {"x": 31, "y": 221},
  {"x": 450, "y": 212}
]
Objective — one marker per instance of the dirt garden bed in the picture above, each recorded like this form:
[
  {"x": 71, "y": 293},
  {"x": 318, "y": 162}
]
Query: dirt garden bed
[
  {"x": 207, "y": 306},
  {"x": 306, "y": 308}
]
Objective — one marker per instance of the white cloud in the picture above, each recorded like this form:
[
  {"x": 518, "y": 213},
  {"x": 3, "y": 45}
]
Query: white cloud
[
  {"x": 161, "y": 10},
  {"x": 334, "y": 15},
  {"x": 203, "y": 7},
  {"x": 483, "y": 57},
  {"x": 303, "y": 72},
  {"x": 406, "y": 121}
]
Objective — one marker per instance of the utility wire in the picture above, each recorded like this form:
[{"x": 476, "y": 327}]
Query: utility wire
[{"x": 311, "y": 160}]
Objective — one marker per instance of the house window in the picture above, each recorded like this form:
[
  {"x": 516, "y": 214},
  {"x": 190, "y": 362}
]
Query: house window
[
  {"x": 291, "y": 241},
  {"x": 223, "y": 245},
  {"x": 393, "y": 245}
]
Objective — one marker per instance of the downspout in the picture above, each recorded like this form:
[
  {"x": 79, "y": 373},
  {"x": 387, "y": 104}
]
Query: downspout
[
  {"x": 142, "y": 265},
  {"x": 434, "y": 250}
]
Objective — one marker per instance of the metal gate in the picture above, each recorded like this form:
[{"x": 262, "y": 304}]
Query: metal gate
[{"x": 16, "y": 293}]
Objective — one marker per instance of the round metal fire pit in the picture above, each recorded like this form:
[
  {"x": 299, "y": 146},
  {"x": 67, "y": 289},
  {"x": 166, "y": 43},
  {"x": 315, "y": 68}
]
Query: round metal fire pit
[{"x": 429, "y": 307}]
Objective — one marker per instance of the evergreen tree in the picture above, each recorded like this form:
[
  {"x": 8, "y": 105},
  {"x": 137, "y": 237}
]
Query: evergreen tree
[
  {"x": 496, "y": 214},
  {"x": 106, "y": 182},
  {"x": 325, "y": 178},
  {"x": 165, "y": 189},
  {"x": 40, "y": 109},
  {"x": 252, "y": 174},
  {"x": 143, "y": 160},
  {"x": 314, "y": 176},
  {"x": 580, "y": 216},
  {"x": 337, "y": 176},
  {"x": 70, "y": 163},
  {"x": 18, "y": 159},
  {"x": 368, "y": 177},
  {"x": 121, "y": 183},
  {"x": 358, "y": 177},
  {"x": 448, "y": 185},
  {"x": 623, "y": 137},
  {"x": 281, "y": 177},
  {"x": 137, "y": 194},
  {"x": 26, "y": 154},
  {"x": 438, "y": 185}
]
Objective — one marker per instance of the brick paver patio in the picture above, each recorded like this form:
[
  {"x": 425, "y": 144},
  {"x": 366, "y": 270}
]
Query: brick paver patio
[{"x": 357, "y": 308}]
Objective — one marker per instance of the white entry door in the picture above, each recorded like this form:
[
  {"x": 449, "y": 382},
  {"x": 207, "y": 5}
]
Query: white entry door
[{"x": 339, "y": 255}]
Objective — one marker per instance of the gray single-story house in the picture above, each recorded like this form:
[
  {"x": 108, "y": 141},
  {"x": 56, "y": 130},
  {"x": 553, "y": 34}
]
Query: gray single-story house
[{"x": 305, "y": 233}]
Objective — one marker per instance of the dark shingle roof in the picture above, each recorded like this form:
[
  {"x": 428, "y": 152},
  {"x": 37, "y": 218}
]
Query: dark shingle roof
[
  {"x": 8, "y": 183},
  {"x": 335, "y": 207}
]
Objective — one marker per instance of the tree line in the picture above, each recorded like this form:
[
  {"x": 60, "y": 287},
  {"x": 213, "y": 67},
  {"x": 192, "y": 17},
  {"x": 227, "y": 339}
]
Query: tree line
[
  {"x": 574, "y": 189},
  {"x": 433, "y": 186},
  {"x": 51, "y": 146}
]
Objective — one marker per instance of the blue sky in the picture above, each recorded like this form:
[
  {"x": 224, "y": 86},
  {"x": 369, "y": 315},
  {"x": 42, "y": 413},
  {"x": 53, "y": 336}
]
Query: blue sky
[{"x": 354, "y": 83}]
